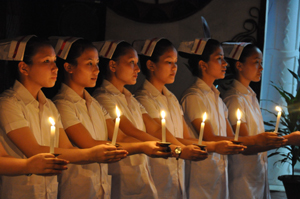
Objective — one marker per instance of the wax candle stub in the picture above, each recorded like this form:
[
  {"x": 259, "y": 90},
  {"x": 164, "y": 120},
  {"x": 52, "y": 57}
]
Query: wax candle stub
[
  {"x": 202, "y": 129},
  {"x": 163, "y": 126},
  {"x": 116, "y": 129},
  {"x": 52, "y": 134}
]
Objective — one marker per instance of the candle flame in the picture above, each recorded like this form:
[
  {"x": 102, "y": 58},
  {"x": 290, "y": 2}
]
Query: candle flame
[
  {"x": 51, "y": 120},
  {"x": 204, "y": 116},
  {"x": 238, "y": 114},
  {"x": 163, "y": 114},
  {"x": 278, "y": 108},
  {"x": 118, "y": 112}
]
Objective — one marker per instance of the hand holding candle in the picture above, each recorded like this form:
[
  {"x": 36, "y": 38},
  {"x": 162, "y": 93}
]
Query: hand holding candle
[
  {"x": 52, "y": 134},
  {"x": 163, "y": 126},
  {"x": 116, "y": 129},
  {"x": 278, "y": 108},
  {"x": 202, "y": 129},
  {"x": 238, "y": 124}
]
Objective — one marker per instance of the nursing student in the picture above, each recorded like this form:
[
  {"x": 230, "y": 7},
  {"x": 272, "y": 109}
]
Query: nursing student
[
  {"x": 247, "y": 174},
  {"x": 158, "y": 59},
  {"x": 206, "y": 61},
  {"x": 40, "y": 164},
  {"x": 118, "y": 64},
  {"x": 25, "y": 129},
  {"x": 86, "y": 122}
]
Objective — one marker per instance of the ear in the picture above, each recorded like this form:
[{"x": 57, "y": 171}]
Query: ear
[
  {"x": 23, "y": 68},
  {"x": 150, "y": 65},
  {"x": 112, "y": 65},
  {"x": 238, "y": 66},
  {"x": 68, "y": 67},
  {"x": 202, "y": 65}
]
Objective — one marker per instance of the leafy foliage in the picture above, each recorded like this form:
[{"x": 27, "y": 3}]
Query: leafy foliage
[{"x": 290, "y": 122}]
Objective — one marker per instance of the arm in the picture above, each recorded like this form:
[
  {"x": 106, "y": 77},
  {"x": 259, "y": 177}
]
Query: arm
[
  {"x": 82, "y": 138},
  {"x": 269, "y": 143},
  {"x": 43, "y": 164},
  {"x": 262, "y": 139},
  {"x": 26, "y": 142}
]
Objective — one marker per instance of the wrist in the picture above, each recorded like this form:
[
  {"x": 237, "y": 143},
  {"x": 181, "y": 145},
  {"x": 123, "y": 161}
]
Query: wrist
[{"x": 27, "y": 169}]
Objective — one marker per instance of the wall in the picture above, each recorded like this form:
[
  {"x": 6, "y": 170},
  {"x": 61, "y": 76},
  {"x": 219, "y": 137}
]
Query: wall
[{"x": 225, "y": 19}]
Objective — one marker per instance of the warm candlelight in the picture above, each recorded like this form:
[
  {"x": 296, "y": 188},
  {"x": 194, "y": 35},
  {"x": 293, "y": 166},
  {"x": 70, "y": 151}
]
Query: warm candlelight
[
  {"x": 202, "y": 129},
  {"x": 238, "y": 124},
  {"x": 52, "y": 134},
  {"x": 278, "y": 108},
  {"x": 116, "y": 127},
  {"x": 163, "y": 126}
]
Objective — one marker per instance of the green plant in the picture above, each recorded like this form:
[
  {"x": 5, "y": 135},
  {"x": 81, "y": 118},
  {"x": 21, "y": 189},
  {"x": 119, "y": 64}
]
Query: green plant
[{"x": 290, "y": 122}]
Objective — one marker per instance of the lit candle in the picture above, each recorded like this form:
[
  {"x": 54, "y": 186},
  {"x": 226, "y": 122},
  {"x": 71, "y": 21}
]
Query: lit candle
[
  {"x": 163, "y": 126},
  {"x": 202, "y": 129},
  {"x": 116, "y": 127},
  {"x": 52, "y": 134},
  {"x": 238, "y": 124},
  {"x": 278, "y": 118}
]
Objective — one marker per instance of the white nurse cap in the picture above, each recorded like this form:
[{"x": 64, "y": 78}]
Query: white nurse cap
[
  {"x": 14, "y": 49},
  {"x": 62, "y": 45},
  {"x": 233, "y": 50},
  {"x": 146, "y": 47},
  {"x": 107, "y": 48},
  {"x": 195, "y": 47}
]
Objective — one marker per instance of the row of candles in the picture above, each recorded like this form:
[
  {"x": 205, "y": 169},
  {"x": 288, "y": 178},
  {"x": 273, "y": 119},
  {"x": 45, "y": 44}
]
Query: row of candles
[{"x": 163, "y": 126}]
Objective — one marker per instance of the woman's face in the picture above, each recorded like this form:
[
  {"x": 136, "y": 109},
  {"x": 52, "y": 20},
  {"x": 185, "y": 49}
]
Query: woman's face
[
  {"x": 126, "y": 68},
  {"x": 86, "y": 72},
  {"x": 215, "y": 68},
  {"x": 42, "y": 72},
  {"x": 251, "y": 69},
  {"x": 165, "y": 69}
]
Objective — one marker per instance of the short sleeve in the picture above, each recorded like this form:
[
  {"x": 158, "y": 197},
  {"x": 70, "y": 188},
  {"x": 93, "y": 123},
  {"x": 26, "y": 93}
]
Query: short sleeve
[
  {"x": 194, "y": 107},
  {"x": 12, "y": 115},
  {"x": 234, "y": 103},
  {"x": 105, "y": 113},
  {"x": 149, "y": 105},
  {"x": 67, "y": 112},
  {"x": 108, "y": 103}
]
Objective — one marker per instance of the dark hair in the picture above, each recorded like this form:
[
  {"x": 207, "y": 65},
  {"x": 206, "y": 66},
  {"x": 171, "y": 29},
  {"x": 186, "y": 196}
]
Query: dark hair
[
  {"x": 121, "y": 50},
  {"x": 161, "y": 47},
  {"x": 247, "y": 52},
  {"x": 32, "y": 47},
  {"x": 193, "y": 60}
]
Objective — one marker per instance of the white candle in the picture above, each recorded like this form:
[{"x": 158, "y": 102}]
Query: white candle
[
  {"x": 238, "y": 124},
  {"x": 278, "y": 108},
  {"x": 116, "y": 129},
  {"x": 202, "y": 129},
  {"x": 52, "y": 134},
  {"x": 163, "y": 126}
]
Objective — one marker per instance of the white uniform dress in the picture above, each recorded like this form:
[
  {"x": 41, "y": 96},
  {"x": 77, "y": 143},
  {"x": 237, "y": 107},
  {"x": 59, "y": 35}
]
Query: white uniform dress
[
  {"x": 247, "y": 174},
  {"x": 208, "y": 178},
  {"x": 168, "y": 174},
  {"x": 88, "y": 180},
  {"x": 20, "y": 109},
  {"x": 131, "y": 177}
]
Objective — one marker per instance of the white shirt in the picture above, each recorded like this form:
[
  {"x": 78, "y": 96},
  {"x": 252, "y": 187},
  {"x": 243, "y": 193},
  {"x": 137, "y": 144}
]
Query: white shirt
[
  {"x": 211, "y": 181},
  {"x": 169, "y": 184},
  {"x": 78, "y": 180},
  {"x": 247, "y": 174},
  {"x": 20, "y": 109},
  {"x": 131, "y": 174}
]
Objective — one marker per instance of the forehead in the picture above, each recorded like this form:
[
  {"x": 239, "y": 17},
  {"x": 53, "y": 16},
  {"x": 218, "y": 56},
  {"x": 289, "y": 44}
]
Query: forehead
[
  {"x": 130, "y": 53},
  {"x": 45, "y": 50},
  {"x": 218, "y": 51},
  {"x": 90, "y": 52}
]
